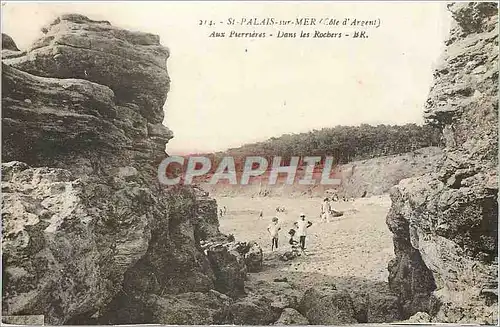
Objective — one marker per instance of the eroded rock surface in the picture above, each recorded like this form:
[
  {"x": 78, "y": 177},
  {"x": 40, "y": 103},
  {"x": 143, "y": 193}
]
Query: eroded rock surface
[
  {"x": 291, "y": 316},
  {"x": 231, "y": 261},
  {"x": 327, "y": 306},
  {"x": 132, "y": 64},
  {"x": 89, "y": 235},
  {"x": 331, "y": 305},
  {"x": 8, "y": 43},
  {"x": 445, "y": 224},
  {"x": 71, "y": 245}
]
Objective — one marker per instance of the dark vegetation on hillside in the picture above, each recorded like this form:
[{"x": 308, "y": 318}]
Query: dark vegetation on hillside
[{"x": 343, "y": 143}]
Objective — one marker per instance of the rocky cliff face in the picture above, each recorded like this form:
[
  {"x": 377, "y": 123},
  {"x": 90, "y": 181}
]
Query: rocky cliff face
[
  {"x": 89, "y": 235},
  {"x": 93, "y": 91},
  {"x": 445, "y": 223}
]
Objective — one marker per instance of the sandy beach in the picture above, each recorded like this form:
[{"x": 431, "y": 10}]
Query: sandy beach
[{"x": 352, "y": 250}]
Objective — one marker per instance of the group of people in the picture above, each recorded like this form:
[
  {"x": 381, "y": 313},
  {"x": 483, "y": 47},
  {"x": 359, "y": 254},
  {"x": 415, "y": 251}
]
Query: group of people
[{"x": 300, "y": 229}]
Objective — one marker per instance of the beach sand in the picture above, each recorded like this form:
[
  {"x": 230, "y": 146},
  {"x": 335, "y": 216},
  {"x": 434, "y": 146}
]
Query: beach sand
[{"x": 351, "y": 252}]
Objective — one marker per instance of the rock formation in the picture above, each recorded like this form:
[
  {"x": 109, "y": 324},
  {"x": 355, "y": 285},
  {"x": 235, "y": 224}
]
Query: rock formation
[
  {"x": 445, "y": 223},
  {"x": 326, "y": 305},
  {"x": 8, "y": 43},
  {"x": 89, "y": 235},
  {"x": 291, "y": 316}
]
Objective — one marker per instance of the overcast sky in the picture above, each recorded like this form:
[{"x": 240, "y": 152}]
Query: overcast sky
[{"x": 227, "y": 92}]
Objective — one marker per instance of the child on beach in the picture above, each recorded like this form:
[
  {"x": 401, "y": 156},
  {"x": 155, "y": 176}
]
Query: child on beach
[
  {"x": 294, "y": 244},
  {"x": 326, "y": 211},
  {"x": 302, "y": 225},
  {"x": 273, "y": 229}
]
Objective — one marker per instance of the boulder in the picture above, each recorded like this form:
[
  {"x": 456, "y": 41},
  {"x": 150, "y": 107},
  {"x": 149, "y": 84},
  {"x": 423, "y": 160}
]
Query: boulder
[
  {"x": 252, "y": 311},
  {"x": 229, "y": 267},
  {"x": 283, "y": 301},
  {"x": 190, "y": 309},
  {"x": 383, "y": 308},
  {"x": 291, "y": 316},
  {"x": 207, "y": 222},
  {"x": 360, "y": 305},
  {"x": 8, "y": 43},
  {"x": 327, "y": 306},
  {"x": 254, "y": 258},
  {"x": 280, "y": 295},
  {"x": 419, "y": 318},
  {"x": 231, "y": 260}
]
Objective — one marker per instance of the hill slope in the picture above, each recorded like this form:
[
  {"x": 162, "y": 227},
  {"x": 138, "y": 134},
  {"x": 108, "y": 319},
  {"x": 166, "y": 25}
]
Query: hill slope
[{"x": 375, "y": 176}]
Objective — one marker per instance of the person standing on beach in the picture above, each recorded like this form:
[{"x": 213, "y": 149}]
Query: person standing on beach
[
  {"x": 326, "y": 211},
  {"x": 273, "y": 230},
  {"x": 302, "y": 225}
]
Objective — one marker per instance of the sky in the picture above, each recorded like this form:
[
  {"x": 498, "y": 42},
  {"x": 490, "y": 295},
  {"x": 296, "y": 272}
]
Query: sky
[{"x": 226, "y": 92}]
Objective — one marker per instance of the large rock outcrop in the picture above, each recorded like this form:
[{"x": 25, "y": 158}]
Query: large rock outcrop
[
  {"x": 329, "y": 305},
  {"x": 8, "y": 43},
  {"x": 132, "y": 64},
  {"x": 66, "y": 113},
  {"x": 89, "y": 234},
  {"x": 445, "y": 223},
  {"x": 70, "y": 245}
]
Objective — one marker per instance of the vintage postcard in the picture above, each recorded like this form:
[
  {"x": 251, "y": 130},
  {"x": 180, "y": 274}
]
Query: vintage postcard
[{"x": 249, "y": 163}]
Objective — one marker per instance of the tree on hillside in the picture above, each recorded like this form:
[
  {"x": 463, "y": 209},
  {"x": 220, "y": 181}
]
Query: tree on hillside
[{"x": 343, "y": 143}]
